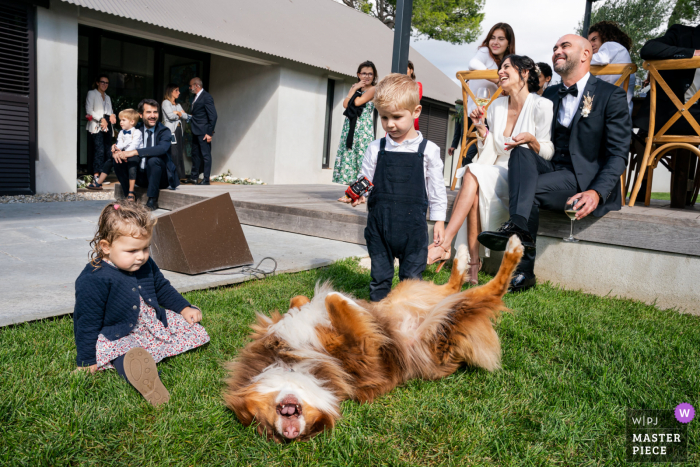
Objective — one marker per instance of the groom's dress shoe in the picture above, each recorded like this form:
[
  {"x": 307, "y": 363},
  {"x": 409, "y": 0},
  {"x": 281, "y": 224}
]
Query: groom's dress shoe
[
  {"x": 498, "y": 240},
  {"x": 521, "y": 282},
  {"x": 152, "y": 204}
]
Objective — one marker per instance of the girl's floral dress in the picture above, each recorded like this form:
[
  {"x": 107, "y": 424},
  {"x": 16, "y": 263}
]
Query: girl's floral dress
[{"x": 149, "y": 333}]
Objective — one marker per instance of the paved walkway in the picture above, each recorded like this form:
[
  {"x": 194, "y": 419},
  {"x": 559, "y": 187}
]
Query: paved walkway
[{"x": 45, "y": 246}]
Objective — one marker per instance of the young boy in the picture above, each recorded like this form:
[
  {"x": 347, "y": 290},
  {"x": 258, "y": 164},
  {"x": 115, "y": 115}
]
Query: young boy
[
  {"x": 407, "y": 174},
  {"x": 129, "y": 139}
]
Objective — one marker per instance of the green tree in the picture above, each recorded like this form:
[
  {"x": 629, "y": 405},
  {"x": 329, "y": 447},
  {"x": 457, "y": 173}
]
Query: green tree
[
  {"x": 455, "y": 21},
  {"x": 685, "y": 12}
]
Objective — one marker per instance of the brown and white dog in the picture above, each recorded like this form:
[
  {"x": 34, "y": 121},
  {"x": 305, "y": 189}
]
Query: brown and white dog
[{"x": 300, "y": 365}]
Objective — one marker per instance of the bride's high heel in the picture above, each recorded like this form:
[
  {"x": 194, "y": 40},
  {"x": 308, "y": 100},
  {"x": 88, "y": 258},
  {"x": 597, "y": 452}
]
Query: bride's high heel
[
  {"x": 474, "y": 275},
  {"x": 442, "y": 258}
]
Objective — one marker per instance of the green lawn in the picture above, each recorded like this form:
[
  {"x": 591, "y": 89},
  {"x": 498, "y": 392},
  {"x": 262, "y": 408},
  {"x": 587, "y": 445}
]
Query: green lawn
[
  {"x": 572, "y": 363},
  {"x": 655, "y": 195}
]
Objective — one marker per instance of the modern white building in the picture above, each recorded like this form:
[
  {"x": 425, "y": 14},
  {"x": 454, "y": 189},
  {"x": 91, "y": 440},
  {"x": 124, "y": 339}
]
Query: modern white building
[{"x": 278, "y": 71}]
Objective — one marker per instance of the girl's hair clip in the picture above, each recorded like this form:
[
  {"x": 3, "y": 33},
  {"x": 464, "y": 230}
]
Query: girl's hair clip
[{"x": 116, "y": 206}]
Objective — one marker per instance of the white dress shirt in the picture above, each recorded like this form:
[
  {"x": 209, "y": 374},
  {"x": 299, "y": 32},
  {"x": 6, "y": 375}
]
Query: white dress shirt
[
  {"x": 569, "y": 104},
  {"x": 694, "y": 86},
  {"x": 432, "y": 167},
  {"x": 614, "y": 52},
  {"x": 129, "y": 142},
  {"x": 197, "y": 96}
]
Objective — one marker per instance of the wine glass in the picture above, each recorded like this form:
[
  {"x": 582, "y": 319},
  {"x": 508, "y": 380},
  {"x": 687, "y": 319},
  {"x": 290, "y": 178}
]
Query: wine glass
[
  {"x": 569, "y": 210},
  {"x": 483, "y": 97}
]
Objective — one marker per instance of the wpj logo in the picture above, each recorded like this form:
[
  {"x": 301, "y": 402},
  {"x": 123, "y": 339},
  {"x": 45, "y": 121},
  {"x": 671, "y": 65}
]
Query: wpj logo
[{"x": 658, "y": 435}]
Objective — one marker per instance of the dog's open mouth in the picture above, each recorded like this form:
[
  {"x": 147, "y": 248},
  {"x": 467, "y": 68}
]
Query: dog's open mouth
[{"x": 289, "y": 407}]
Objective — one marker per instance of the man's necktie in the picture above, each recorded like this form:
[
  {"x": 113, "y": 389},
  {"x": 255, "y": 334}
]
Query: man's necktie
[
  {"x": 127, "y": 132},
  {"x": 573, "y": 90},
  {"x": 149, "y": 141}
]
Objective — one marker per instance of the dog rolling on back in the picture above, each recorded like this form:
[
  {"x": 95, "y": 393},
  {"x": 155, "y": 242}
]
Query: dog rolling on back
[{"x": 300, "y": 365}]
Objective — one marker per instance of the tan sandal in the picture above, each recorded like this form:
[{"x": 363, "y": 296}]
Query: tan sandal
[
  {"x": 442, "y": 258},
  {"x": 141, "y": 371}
]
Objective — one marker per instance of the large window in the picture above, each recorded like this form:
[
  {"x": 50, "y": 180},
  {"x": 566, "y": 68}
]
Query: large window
[{"x": 137, "y": 69}]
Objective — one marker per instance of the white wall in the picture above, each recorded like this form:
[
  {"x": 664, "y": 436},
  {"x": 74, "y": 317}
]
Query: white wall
[
  {"x": 57, "y": 87},
  {"x": 300, "y": 127},
  {"x": 246, "y": 97}
]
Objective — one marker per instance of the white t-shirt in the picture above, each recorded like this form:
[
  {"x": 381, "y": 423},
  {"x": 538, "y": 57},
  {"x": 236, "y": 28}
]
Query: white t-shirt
[{"x": 481, "y": 61}]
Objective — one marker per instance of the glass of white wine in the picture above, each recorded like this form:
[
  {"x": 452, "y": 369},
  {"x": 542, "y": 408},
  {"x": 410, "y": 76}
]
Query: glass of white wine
[
  {"x": 483, "y": 97},
  {"x": 569, "y": 210}
]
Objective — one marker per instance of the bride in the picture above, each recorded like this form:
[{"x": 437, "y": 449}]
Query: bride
[{"x": 520, "y": 122}]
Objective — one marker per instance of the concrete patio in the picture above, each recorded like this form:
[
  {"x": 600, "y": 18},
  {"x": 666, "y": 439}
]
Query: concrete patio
[{"x": 44, "y": 247}]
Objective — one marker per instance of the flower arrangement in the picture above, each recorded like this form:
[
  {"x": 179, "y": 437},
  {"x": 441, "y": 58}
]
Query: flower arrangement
[
  {"x": 587, "y": 105},
  {"x": 229, "y": 178},
  {"x": 84, "y": 181}
]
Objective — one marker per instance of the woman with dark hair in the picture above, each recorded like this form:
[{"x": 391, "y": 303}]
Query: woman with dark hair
[
  {"x": 611, "y": 45},
  {"x": 98, "y": 107},
  {"x": 520, "y": 121},
  {"x": 411, "y": 71},
  {"x": 545, "y": 74},
  {"x": 358, "y": 127},
  {"x": 173, "y": 116}
]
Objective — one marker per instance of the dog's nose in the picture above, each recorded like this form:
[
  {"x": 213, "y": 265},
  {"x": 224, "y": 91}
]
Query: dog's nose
[{"x": 291, "y": 432}]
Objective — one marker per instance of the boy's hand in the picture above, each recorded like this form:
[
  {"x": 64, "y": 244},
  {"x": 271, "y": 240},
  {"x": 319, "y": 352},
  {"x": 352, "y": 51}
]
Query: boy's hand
[
  {"x": 360, "y": 200},
  {"x": 439, "y": 232},
  {"x": 191, "y": 315}
]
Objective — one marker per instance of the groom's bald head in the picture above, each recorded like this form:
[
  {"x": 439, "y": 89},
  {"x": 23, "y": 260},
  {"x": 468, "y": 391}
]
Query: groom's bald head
[{"x": 572, "y": 56}]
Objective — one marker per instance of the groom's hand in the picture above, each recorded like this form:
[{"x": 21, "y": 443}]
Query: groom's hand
[{"x": 587, "y": 202}]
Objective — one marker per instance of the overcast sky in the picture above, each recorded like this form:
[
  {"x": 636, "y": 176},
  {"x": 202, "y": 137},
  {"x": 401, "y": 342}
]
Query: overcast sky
[{"x": 537, "y": 25}]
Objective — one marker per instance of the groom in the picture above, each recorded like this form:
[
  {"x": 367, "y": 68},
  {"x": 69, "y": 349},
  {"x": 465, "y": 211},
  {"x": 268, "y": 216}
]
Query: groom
[{"x": 591, "y": 132}]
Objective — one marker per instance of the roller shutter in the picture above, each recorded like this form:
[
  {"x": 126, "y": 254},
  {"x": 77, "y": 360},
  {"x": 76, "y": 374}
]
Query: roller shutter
[
  {"x": 17, "y": 99},
  {"x": 433, "y": 122}
]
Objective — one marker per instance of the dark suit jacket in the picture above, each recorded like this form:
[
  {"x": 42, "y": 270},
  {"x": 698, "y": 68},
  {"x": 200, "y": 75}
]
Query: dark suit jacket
[
  {"x": 678, "y": 42},
  {"x": 203, "y": 115},
  {"x": 600, "y": 143},
  {"x": 458, "y": 134},
  {"x": 162, "y": 139}
]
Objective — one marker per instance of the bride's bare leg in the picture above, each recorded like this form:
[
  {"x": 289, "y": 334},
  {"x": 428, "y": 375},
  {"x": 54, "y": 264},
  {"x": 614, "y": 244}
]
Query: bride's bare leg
[
  {"x": 473, "y": 229},
  {"x": 464, "y": 203}
]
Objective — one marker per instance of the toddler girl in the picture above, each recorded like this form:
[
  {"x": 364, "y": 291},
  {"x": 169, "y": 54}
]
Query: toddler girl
[{"x": 123, "y": 305}]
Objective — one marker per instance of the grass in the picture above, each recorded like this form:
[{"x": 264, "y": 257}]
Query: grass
[
  {"x": 572, "y": 363},
  {"x": 657, "y": 195}
]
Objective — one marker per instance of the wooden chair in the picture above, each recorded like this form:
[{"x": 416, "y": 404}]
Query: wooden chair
[
  {"x": 469, "y": 135},
  {"x": 624, "y": 70},
  {"x": 659, "y": 143}
]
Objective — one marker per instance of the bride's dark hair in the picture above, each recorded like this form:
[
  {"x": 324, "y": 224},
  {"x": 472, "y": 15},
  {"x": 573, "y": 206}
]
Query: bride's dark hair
[{"x": 523, "y": 63}]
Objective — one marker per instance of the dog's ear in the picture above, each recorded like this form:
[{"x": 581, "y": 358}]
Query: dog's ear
[
  {"x": 239, "y": 406},
  {"x": 323, "y": 422},
  {"x": 298, "y": 301}
]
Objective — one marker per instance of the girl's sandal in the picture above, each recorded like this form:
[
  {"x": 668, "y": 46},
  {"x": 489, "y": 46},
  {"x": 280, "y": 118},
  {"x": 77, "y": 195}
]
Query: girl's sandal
[
  {"x": 140, "y": 369},
  {"x": 94, "y": 186},
  {"x": 474, "y": 275},
  {"x": 131, "y": 197}
]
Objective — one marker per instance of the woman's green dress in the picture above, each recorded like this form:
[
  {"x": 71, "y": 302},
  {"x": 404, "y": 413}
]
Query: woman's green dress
[{"x": 349, "y": 161}]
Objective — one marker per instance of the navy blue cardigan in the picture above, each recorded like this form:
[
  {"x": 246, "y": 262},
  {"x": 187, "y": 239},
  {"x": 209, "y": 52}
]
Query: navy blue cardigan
[{"x": 107, "y": 302}]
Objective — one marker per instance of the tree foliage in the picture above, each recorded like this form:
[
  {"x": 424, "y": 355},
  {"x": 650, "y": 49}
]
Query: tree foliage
[
  {"x": 455, "y": 21},
  {"x": 685, "y": 12}
]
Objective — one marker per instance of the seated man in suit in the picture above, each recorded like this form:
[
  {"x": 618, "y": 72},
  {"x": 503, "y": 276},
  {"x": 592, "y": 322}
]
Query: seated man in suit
[
  {"x": 156, "y": 169},
  {"x": 202, "y": 123},
  {"x": 678, "y": 42},
  {"x": 591, "y": 131}
]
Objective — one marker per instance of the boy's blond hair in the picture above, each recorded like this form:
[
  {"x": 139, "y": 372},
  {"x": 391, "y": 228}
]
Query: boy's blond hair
[
  {"x": 397, "y": 90},
  {"x": 129, "y": 114}
]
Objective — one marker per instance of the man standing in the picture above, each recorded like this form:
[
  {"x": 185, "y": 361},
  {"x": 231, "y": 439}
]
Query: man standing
[
  {"x": 156, "y": 169},
  {"x": 202, "y": 123},
  {"x": 591, "y": 132}
]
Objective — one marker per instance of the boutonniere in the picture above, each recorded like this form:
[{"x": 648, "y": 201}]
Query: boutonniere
[{"x": 587, "y": 105}]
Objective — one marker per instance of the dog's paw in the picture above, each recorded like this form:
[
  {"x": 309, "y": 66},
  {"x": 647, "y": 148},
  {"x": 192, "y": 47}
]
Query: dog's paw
[
  {"x": 462, "y": 258},
  {"x": 514, "y": 245}
]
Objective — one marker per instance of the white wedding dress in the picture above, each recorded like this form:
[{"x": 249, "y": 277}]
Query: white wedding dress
[{"x": 491, "y": 166}]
